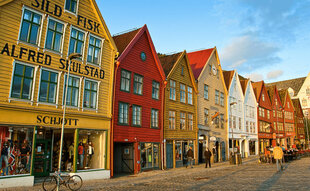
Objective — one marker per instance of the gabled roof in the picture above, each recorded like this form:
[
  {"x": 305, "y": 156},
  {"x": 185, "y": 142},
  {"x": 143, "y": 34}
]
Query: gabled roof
[
  {"x": 257, "y": 87},
  {"x": 270, "y": 92},
  {"x": 198, "y": 60},
  {"x": 244, "y": 84},
  {"x": 297, "y": 105},
  {"x": 228, "y": 76},
  {"x": 282, "y": 95},
  {"x": 126, "y": 41},
  {"x": 295, "y": 84},
  {"x": 168, "y": 61}
]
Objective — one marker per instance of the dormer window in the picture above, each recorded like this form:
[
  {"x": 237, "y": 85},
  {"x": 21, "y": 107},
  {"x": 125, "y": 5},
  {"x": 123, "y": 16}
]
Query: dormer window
[
  {"x": 263, "y": 97},
  {"x": 71, "y": 5}
]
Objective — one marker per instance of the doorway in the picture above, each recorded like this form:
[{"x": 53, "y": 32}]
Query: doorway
[
  {"x": 169, "y": 155},
  {"x": 123, "y": 159},
  {"x": 42, "y": 157},
  {"x": 201, "y": 151}
]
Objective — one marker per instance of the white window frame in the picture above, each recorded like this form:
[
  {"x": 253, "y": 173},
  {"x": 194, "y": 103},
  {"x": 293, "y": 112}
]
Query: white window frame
[
  {"x": 64, "y": 89},
  {"x": 33, "y": 81},
  {"x": 85, "y": 34},
  {"x": 40, "y": 32},
  {"x": 100, "y": 54},
  {"x": 97, "y": 98},
  {"x": 63, "y": 36},
  {"x": 58, "y": 82},
  {"x": 77, "y": 8}
]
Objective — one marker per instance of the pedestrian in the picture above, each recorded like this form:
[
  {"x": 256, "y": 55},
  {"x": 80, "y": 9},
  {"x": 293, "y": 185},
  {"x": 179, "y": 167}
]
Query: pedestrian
[
  {"x": 208, "y": 155},
  {"x": 190, "y": 156},
  {"x": 278, "y": 155}
]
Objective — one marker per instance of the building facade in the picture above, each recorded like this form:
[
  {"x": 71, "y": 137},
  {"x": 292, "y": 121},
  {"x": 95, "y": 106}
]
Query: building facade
[
  {"x": 299, "y": 125},
  {"x": 37, "y": 38},
  {"x": 211, "y": 103},
  {"x": 138, "y": 104},
  {"x": 180, "y": 110}
]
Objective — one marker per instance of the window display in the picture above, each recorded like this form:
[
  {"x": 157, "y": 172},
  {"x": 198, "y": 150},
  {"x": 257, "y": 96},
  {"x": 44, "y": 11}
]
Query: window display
[
  {"x": 149, "y": 155},
  {"x": 91, "y": 149},
  {"x": 16, "y": 148},
  {"x": 178, "y": 150}
]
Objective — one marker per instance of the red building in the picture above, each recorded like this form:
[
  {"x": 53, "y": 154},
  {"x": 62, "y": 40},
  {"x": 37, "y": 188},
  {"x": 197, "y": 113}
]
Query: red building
[
  {"x": 299, "y": 124},
  {"x": 277, "y": 114},
  {"x": 138, "y": 104},
  {"x": 264, "y": 109},
  {"x": 288, "y": 114}
]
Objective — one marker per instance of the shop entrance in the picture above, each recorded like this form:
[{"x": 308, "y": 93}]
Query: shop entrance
[
  {"x": 42, "y": 159},
  {"x": 201, "y": 152},
  {"x": 169, "y": 155},
  {"x": 123, "y": 159}
]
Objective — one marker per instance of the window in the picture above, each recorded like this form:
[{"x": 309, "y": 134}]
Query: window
[
  {"x": 190, "y": 121},
  {"x": 150, "y": 154},
  {"x": 123, "y": 113},
  {"x": 234, "y": 122},
  {"x": 76, "y": 41},
  {"x": 154, "y": 118},
  {"x": 206, "y": 113},
  {"x": 182, "y": 70},
  {"x": 73, "y": 91},
  {"x": 263, "y": 97},
  {"x": 268, "y": 114},
  {"x": 71, "y": 5},
  {"x": 54, "y": 35},
  {"x": 274, "y": 113},
  {"x": 137, "y": 84},
  {"x": 217, "y": 97},
  {"x": 30, "y": 28},
  {"x": 48, "y": 86},
  {"x": 247, "y": 126},
  {"x": 94, "y": 50},
  {"x": 222, "y": 120},
  {"x": 189, "y": 95},
  {"x": 90, "y": 94},
  {"x": 136, "y": 115},
  {"x": 171, "y": 119},
  {"x": 172, "y": 90},
  {"x": 182, "y": 93},
  {"x": 125, "y": 80},
  {"x": 155, "y": 90},
  {"x": 222, "y": 99},
  {"x": 22, "y": 81},
  {"x": 216, "y": 121},
  {"x": 206, "y": 91},
  {"x": 182, "y": 120},
  {"x": 240, "y": 124}
]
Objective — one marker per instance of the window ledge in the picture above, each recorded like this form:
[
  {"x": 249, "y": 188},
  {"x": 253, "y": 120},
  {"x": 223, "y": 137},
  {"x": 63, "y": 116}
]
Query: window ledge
[
  {"x": 46, "y": 103},
  {"x": 22, "y": 100},
  {"x": 92, "y": 64},
  {"x": 52, "y": 51},
  {"x": 90, "y": 109},
  {"x": 29, "y": 44},
  {"x": 72, "y": 13}
]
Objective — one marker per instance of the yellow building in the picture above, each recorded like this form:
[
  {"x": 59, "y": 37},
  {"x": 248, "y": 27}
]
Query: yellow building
[
  {"x": 180, "y": 111},
  {"x": 37, "y": 37}
]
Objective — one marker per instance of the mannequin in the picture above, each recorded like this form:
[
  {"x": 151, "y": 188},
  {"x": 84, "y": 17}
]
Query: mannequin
[
  {"x": 4, "y": 156},
  {"x": 25, "y": 153},
  {"x": 81, "y": 155},
  {"x": 90, "y": 152}
]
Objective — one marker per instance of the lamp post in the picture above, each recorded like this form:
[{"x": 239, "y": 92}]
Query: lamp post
[
  {"x": 232, "y": 128},
  {"x": 71, "y": 56}
]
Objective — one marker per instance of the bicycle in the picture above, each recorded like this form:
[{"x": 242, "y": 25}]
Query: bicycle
[{"x": 73, "y": 182}]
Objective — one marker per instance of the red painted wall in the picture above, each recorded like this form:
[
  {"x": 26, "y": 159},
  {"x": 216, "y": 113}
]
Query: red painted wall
[{"x": 266, "y": 104}]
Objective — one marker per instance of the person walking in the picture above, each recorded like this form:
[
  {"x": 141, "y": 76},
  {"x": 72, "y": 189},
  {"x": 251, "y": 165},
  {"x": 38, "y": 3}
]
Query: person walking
[
  {"x": 208, "y": 155},
  {"x": 190, "y": 156},
  {"x": 278, "y": 155}
]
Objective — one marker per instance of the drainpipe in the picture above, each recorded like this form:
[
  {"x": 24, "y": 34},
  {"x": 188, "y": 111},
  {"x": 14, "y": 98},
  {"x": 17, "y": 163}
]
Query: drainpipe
[{"x": 162, "y": 124}]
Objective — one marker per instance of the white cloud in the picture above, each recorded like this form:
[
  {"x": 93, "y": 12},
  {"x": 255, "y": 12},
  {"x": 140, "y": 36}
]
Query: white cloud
[
  {"x": 274, "y": 74},
  {"x": 255, "y": 77},
  {"x": 248, "y": 53}
]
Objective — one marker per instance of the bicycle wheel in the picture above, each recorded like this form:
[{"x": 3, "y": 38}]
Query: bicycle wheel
[
  {"x": 75, "y": 182},
  {"x": 50, "y": 183}
]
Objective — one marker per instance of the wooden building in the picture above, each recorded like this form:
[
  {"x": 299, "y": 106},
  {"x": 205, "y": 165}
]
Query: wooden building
[
  {"x": 299, "y": 125},
  {"x": 36, "y": 40},
  {"x": 264, "y": 116},
  {"x": 212, "y": 102},
  {"x": 180, "y": 110},
  {"x": 138, "y": 104}
]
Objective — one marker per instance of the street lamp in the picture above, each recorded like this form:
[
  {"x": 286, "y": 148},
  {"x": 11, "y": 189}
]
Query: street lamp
[
  {"x": 232, "y": 128},
  {"x": 71, "y": 56}
]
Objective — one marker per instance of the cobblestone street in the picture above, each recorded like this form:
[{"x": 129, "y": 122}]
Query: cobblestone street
[{"x": 248, "y": 176}]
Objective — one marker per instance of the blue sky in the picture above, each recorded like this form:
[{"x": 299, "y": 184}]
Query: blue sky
[{"x": 262, "y": 39}]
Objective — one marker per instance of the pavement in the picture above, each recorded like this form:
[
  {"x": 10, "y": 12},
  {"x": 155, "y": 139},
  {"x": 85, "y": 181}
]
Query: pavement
[{"x": 250, "y": 175}]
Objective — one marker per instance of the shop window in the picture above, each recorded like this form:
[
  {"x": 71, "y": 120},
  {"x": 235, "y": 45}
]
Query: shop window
[
  {"x": 76, "y": 41},
  {"x": 154, "y": 118},
  {"x": 48, "y": 86},
  {"x": 22, "y": 81},
  {"x": 90, "y": 94},
  {"x": 189, "y": 95},
  {"x": 172, "y": 90},
  {"x": 136, "y": 115},
  {"x": 91, "y": 149},
  {"x": 16, "y": 149},
  {"x": 178, "y": 151},
  {"x": 94, "y": 50},
  {"x": 171, "y": 119},
  {"x": 206, "y": 91},
  {"x": 182, "y": 120},
  {"x": 125, "y": 80},
  {"x": 30, "y": 28},
  {"x": 138, "y": 84},
  {"x": 155, "y": 90},
  {"x": 123, "y": 113},
  {"x": 71, "y": 5},
  {"x": 73, "y": 91},
  {"x": 182, "y": 93},
  {"x": 54, "y": 35},
  {"x": 149, "y": 155},
  {"x": 190, "y": 121}
]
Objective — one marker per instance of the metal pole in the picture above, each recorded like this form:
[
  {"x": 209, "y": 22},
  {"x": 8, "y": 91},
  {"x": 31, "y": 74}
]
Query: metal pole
[{"x": 307, "y": 131}]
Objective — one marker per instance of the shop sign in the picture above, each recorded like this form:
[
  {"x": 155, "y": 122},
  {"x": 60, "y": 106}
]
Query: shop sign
[
  {"x": 46, "y": 59},
  {"x": 212, "y": 138},
  {"x": 51, "y": 120},
  {"x": 289, "y": 134}
]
